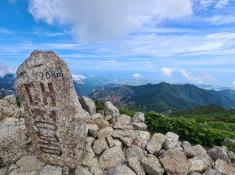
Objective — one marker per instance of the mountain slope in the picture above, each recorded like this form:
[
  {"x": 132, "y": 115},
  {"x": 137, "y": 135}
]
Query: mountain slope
[
  {"x": 83, "y": 88},
  {"x": 163, "y": 96},
  {"x": 7, "y": 85}
]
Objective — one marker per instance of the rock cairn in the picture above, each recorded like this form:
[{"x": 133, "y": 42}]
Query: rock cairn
[{"x": 114, "y": 146}]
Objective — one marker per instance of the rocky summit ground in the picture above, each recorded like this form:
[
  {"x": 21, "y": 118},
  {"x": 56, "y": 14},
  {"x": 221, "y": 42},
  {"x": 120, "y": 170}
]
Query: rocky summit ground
[{"x": 116, "y": 144}]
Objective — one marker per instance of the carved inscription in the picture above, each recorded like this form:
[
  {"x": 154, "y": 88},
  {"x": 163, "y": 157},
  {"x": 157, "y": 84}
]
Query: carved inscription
[
  {"x": 48, "y": 75},
  {"x": 44, "y": 121}
]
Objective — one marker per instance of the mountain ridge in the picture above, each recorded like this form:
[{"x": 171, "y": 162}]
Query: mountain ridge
[
  {"x": 164, "y": 96},
  {"x": 159, "y": 97}
]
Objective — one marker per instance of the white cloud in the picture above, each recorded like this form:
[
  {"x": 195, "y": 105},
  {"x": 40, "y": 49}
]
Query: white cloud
[
  {"x": 234, "y": 82},
  {"x": 4, "y": 69},
  {"x": 221, "y": 19},
  {"x": 137, "y": 75},
  {"x": 107, "y": 19},
  {"x": 221, "y": 3},
  {"x": 167, "y": 71},
  {"x": 214, "y": 3},
  {"x": 206, "y": 3},
  {"x": 79, "y": 78},
  {"x": 148, "y": 65},
  {"x": 201, "y": 77}
]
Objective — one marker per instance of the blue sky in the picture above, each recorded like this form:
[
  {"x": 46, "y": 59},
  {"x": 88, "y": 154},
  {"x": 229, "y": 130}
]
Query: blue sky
[{"x": 177, "y": 41}]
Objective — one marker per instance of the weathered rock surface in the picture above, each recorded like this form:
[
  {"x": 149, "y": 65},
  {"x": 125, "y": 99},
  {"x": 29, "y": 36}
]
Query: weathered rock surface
[
  {"x": 219, "y": 153},
  {"x": 152, "y": 165},
  {"x": 140, "y": 126},
  {"x": 13, "y": 140},
  {"x": 155, "y": 143},
  {"x": 3, "y": 171},
  {"x": 49, "y": 170},
  {"x": 120, "y": 170},
  {"x": 9, "y": 108},
  {"x": 29, "y": 164},
  {"x": 199, "y": 163},
  {"x": 138, "y": 118},
  {"x": 111, "y": 110},
  {"x": 222, "y": 167},
  {"x": 142, "y": 138},
  {"x": 211, "y": 172},
  {"x": 92, "y": 130},
  {"x": 88, "y": 105},
  {"x": 171, "y": 140},
  {"x": 82, "y": 171},
  {"x": 99, "y": 120},
  {"x": 135, "y": 165},
  {"x": 111, "y": 157},
  {"x": 192, "y": 151},
  {"x": 134, "y": 152},
  {"x": 100, "y": 145},
  {"x": 54, "y": 117},
  {"x": 105, "y": 132},
  {"x": 174, "y": 162},
  {"x": 125, "y": 136},
  {"x": 124, "y": 120}
]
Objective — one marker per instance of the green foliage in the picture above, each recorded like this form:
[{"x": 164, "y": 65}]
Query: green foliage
[
  {"x": 200, "y": 110},
  {"x": 210, "y": 116},
  {"x": 99, "y": 105},
  {"x": 126, "y": 110},
  {"x": 188, "y": 129},
  {"x": 231, "y": 146}
]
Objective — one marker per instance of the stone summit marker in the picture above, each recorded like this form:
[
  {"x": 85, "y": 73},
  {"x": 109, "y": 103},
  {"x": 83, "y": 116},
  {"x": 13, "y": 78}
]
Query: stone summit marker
[{"x": 55, "y": 118}]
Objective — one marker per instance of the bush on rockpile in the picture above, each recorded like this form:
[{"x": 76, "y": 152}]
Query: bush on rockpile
[
  {"x": 126, "y": 110},
  {"x": 99, "y": 105},
  {"x": 188, "y": 129}
]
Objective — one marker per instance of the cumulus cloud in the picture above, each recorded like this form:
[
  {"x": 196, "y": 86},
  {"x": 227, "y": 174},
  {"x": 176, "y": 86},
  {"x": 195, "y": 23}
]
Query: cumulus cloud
[
  {"x": 167, "y": 71},
  {"x": 201, "y": 77},
  {"x": 137, "y": 75},
  {"x": 79, "y": 78},
  {"x": 107, "y": 19}
]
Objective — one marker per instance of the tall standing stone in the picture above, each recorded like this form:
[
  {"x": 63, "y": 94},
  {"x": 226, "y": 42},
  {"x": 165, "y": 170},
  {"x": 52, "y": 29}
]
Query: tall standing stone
[{"x": 55, "y": 118}]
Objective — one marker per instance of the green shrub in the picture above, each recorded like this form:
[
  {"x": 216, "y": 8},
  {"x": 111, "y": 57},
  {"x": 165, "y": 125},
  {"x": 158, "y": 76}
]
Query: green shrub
[
  {"x": 99, "y": 105},
  {"x": 187, "y": 129},
  {"x": 126, "y": 110},
  {"x": 231, "y": 146}
]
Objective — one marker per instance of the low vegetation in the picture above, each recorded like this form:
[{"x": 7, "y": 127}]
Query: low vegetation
[
  {"x": 188, "y": 129},
  {"x": 202, "y": 125}
]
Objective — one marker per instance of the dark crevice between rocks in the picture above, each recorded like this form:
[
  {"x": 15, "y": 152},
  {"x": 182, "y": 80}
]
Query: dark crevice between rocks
[
  {"x": 68, "y": 171},
  {"x": 2, "y": 165}
]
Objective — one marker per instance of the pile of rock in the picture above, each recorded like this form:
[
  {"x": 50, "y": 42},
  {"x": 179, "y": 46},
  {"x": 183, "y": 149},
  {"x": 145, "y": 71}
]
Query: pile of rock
[{"x": 116, "y": 144}]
